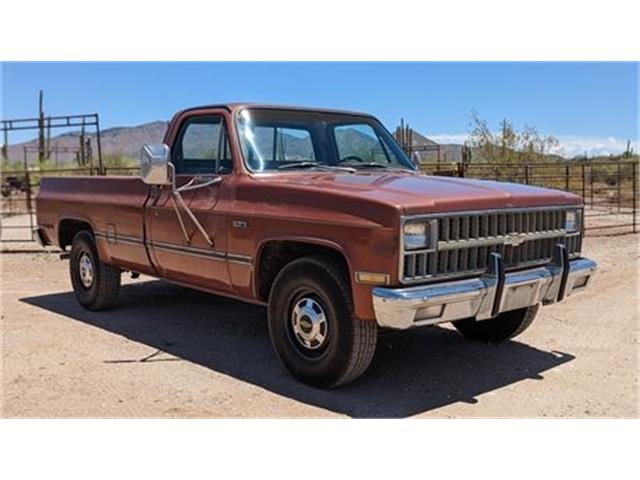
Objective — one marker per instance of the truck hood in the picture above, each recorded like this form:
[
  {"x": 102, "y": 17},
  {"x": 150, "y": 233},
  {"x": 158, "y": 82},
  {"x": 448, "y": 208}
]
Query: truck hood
[
  {"x": 421, "y": 194},
  {"x": 382, "y": 197}
]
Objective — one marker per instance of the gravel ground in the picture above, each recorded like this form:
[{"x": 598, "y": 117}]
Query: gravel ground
[{"x": 172, "y": 352}]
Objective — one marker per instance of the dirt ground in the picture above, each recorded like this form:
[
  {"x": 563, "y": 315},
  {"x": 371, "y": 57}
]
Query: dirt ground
[{"x": 172, "y": 352}]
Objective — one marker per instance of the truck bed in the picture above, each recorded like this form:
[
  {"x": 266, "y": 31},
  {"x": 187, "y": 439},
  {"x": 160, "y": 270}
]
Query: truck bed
[{"x": 112, "y": 206}]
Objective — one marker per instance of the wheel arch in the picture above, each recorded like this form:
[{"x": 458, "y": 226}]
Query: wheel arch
[
  {"x": 69, "y": 226},
  {"x": 276, "y": 252}
]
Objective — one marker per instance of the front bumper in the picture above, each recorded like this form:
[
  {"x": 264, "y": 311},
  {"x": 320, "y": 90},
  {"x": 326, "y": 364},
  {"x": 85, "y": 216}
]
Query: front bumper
[{"x": 483, "y": 297}]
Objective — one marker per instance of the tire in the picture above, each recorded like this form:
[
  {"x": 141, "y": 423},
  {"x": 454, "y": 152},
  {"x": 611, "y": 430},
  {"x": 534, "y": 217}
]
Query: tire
[
  {"x": 503, "y": 327},
  {"x": 98, "y": 289},
  {"x": 329, "y": 348}
]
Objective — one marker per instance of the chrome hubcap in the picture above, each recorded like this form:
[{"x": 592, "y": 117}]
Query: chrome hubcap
[
  {"x": 309, "y": 323},
  {"x": 86, "y": 270}
]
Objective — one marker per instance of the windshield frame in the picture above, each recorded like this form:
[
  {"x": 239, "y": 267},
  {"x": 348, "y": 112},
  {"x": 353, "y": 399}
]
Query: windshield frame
[{"x": 327, "y": 144}]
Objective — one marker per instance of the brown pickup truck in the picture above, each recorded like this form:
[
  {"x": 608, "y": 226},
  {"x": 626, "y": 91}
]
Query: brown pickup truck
[{"x": 319, "y": 215}]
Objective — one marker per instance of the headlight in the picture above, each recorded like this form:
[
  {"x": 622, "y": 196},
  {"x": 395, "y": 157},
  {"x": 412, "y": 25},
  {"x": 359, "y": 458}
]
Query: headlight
[
  {"x": 572, "y": 221},
  {"x": 416, "y": 235}
]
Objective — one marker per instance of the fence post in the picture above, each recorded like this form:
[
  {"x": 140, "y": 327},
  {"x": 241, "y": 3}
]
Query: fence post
[
  {"x": 618, "y": 185},
  {"x": 27, "y": 181},
  {"x": 584, "y": 182},
  {"x": 98, "y": 144},
  {"x": 30, "y": 209},
  {"x": 591, "y": 183},
  {"x": 566, "y": 178},
  {"x": 634, "y": 189}
]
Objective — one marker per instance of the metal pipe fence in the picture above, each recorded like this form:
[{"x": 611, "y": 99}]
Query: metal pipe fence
[
  {"x": 19, "y": 190},
  {"x": 609, "y": 190}
]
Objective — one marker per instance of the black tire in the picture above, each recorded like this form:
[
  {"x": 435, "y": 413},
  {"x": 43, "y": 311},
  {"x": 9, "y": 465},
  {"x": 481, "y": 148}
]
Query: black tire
[
  {"x": 503, "y": 327},
  {"x": 101, "y": 293},
  {"x": 346, "y": 352}
]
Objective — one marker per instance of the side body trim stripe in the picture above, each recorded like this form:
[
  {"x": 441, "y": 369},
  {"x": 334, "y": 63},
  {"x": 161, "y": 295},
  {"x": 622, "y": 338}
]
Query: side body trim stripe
[{"x": 175, "y": 248}]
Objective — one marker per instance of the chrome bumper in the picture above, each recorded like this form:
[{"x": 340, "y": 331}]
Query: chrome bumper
[{"x": 483, "y": 297}]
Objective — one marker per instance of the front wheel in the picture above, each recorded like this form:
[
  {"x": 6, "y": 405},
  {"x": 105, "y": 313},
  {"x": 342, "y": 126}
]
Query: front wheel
[
  {"x": 503, "y": 327},
  {"x": 95, "y": 283},
  {"x": 312, "y": 324}
]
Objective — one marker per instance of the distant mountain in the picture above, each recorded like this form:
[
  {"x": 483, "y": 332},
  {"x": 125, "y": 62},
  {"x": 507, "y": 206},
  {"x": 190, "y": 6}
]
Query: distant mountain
[{"x": 126, "y": 141}]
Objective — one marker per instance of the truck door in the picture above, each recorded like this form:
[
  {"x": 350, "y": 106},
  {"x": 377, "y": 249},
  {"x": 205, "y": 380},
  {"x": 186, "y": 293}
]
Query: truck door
[{"x": 179, "y": 248}]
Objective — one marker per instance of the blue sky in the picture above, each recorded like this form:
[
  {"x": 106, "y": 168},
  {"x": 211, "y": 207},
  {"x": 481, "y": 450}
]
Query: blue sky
[{"x": 588, "y": 106}]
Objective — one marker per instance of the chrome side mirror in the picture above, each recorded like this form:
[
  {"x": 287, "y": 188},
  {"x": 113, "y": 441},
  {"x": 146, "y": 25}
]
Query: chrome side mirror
[{"x": 155, "y": 161}]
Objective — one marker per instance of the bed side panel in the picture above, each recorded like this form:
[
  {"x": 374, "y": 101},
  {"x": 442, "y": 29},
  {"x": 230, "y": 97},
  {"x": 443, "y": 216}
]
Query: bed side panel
[{"x": 113, "y": 206}]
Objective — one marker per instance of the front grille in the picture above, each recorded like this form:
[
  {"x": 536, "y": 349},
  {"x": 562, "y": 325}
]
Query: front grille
[{"x": 465, "y": 242}]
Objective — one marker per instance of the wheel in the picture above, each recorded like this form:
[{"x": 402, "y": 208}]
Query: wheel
[
  {"x": 503, "y": 327},
  {"x": 95, "y": 283},
  {"x": 312, "y": 325}
]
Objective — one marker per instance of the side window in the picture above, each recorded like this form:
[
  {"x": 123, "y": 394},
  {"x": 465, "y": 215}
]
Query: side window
[{"x": 203, "y": 147}]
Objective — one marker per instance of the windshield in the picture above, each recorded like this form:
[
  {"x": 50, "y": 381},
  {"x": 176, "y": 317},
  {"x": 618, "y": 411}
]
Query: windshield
[{"x": 289, "y": 140}]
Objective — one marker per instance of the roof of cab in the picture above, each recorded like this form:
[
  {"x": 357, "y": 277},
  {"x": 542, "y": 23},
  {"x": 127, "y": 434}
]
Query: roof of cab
[{"x": 233, "y": 107}]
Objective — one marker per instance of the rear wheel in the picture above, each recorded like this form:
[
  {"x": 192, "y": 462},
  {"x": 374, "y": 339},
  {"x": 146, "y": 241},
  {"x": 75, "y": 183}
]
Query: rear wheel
[
  {"x": 503, "y": 327},
  {"x": 95, "y": 283},
  {"x": 312, "y": 325}
]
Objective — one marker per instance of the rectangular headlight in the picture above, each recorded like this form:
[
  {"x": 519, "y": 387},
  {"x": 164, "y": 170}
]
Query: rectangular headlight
[
  {"x": 572, "y": 221},
  {"x": 416, "y": 235}
]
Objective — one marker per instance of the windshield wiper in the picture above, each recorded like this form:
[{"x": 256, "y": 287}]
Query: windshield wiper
[
  {"x": 365, "y": 165},
  {"x": 368, "y": 165},
  {"x": 310, "y": 164}
]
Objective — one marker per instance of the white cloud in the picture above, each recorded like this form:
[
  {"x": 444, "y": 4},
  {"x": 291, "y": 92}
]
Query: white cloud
[
  {"x": 569, "y": 146},
  {"x": 449, "y": 137}
]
